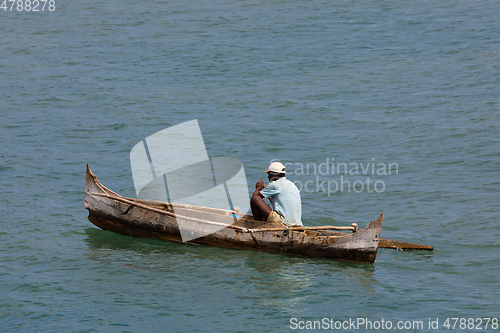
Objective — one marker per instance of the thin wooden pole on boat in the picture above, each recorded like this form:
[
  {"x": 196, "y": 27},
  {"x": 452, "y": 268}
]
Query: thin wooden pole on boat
[
  {"x": 112, "y": 197},
  {"x": 354, "y": 228}
]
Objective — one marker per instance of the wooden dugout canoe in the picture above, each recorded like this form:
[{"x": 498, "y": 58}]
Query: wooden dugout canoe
[{"x": 154, "y": 219}]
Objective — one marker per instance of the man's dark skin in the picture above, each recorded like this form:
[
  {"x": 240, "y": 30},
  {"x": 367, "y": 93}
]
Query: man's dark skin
[{"x": 260, "y": 209}]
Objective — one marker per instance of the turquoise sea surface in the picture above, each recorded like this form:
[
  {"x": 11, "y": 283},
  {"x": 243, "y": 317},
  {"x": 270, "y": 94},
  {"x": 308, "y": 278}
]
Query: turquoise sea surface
[{"x": 414, "y": 85}]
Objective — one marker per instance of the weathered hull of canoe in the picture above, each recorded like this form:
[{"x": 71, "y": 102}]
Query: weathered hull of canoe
[{"x": 150, "y": 219}]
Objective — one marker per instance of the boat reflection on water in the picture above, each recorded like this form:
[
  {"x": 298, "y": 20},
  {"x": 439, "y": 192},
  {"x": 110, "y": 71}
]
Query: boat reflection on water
[{"x": 269, "y": 279}]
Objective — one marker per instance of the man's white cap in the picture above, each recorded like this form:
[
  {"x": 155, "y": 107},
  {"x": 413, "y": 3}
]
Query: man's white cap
[{"x": 276, "y": 167}]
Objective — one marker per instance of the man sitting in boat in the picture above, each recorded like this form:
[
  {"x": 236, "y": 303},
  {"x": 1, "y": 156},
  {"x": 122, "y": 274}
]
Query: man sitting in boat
[{"x": 284, "y": 196}]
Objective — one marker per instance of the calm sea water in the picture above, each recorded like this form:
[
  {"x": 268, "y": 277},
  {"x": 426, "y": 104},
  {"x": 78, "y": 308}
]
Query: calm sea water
[{"x": 415, "y": 84}]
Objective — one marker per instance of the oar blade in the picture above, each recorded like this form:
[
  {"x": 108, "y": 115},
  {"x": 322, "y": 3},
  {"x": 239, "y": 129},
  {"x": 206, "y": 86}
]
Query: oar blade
[{"x": 391, "y": 244}]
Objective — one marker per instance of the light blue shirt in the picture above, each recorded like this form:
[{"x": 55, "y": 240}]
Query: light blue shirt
[{"x": 286, "y": 200}]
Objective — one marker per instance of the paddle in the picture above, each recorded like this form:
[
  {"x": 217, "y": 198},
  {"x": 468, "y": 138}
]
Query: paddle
[
  {"x": 385, "y": 243},
  {"x": 391, "y": 244}
]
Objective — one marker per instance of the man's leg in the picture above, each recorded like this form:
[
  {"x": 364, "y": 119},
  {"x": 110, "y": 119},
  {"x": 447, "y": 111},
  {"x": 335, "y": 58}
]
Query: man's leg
[{"x": 260, "y": 209}]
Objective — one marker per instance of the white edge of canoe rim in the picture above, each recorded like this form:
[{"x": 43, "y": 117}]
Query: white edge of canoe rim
[{"x": 172, "y": 165}]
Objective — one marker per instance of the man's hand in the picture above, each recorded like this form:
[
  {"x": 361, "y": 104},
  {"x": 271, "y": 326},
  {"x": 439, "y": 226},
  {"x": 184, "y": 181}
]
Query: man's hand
[{"x": 260, "y": 185}]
